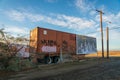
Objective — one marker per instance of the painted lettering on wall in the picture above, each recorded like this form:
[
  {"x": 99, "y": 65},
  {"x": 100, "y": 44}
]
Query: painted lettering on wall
[
  {"x": 48, "y": 42},
  {"x": 65, "y": 45},
  {"x": 49, "y": 49}
]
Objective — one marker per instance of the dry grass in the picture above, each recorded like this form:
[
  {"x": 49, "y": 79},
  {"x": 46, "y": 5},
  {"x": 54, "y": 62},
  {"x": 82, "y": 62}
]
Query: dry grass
[{"x": 99, "y": 54}]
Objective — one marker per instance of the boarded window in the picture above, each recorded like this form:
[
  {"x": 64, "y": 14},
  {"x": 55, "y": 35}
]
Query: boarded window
[{"x": 45, "y": 32}]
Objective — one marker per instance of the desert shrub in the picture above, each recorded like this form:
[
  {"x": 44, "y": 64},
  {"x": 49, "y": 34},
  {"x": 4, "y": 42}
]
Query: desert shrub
[
  {"x": 17, "y": 64},
  {"x": 2, "y": 66},
  {"x": 3, "y": 61},
  {"x": 26, "y": 64},
  {"x": 14, "y": 64}
]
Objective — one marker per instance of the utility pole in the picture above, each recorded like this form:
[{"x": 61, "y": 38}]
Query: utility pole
[
  {"x": 101, "y": 27},
  {"x": 107, "y": 33}
]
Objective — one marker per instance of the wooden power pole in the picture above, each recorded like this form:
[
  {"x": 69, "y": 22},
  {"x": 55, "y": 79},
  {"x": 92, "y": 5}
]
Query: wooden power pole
[
  {"x": 101, "y": 27},
  {"x": 107, "y": 34}
]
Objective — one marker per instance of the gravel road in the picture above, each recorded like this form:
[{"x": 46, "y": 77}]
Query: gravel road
[{"x": 92, "y": 69}]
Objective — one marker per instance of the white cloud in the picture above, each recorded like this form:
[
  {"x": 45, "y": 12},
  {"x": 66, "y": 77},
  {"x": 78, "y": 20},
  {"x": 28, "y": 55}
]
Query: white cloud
[
  {"x": 97, "y": 17},
  {"x": 84, "y": 5},
  {"x": 15, "y": 15},
  {"x": 92, "y": 12},
  {"x": 15, "y": 30},
  {"x": 56, "y": 21},
  {"x": 102, "y": 7},
  {"x": 70, "y": 22},
  {"x": 75, "y": 23},
  {"x": 34, "y": 17},
  {"x": 93, "y": 35},
  {"x": 113, "y": 34},
  {"x": 113, "y": 18}
]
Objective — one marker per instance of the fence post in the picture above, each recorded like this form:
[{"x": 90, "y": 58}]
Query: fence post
[{"x": 61, "y": 56}]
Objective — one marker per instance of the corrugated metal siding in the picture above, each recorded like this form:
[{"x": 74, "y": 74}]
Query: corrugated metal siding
[
  {"x": 63, "y": 40},
  {"x": 59, "y": 41}
]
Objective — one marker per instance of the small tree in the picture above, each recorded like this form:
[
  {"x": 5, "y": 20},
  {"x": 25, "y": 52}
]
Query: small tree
[{"x": 9, "y": 52}]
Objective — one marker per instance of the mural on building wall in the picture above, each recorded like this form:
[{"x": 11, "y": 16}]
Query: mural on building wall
[{"x": 85, "y": 45}]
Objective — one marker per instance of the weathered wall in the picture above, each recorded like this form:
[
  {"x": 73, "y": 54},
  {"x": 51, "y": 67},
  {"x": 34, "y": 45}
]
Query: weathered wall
[
  {"x": 51, "y": 41},
  {"x": 33, "y": 40}
]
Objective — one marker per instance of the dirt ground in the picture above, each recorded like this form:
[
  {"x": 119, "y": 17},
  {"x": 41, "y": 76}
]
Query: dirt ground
[{"x": 88, "y": 69}]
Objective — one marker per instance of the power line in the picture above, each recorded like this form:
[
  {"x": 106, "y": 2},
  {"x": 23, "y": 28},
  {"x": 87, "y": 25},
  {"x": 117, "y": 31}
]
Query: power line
[
  {"x": 103, "y": 30},
  {"x": 114, "y": 28}
]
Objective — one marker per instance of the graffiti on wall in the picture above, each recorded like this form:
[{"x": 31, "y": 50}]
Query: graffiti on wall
[
  {"x": 52, "y": 46},
  {"x": 49, "y": 49},
  {"x": 48, "y": 46},
  {"x": 85, "y": 45},
  {"x": 48, "y": 42},
  {"x": 68, "y": 47},
  {"x": 64, "y": 45}
]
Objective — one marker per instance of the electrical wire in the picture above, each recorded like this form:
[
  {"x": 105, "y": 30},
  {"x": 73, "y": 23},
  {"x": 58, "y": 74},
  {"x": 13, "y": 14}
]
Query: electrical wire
[{"x": 103, "y": 30}]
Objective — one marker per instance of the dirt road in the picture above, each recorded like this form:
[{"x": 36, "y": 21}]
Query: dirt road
[
  {"x": 105, "y": 71},
  {"x": 95, "y": 69}
]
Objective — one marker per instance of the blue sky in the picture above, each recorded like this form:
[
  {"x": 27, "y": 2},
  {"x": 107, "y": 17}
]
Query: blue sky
[{"x": 74, "y": 16}]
